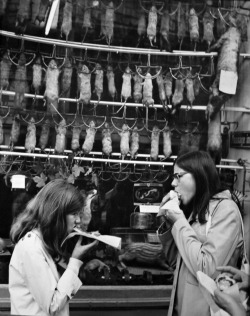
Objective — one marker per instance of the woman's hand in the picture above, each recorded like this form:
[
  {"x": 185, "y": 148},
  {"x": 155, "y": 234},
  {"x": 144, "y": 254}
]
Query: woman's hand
[
  {"x": 81, "y": 250},
  {"x": 173, "y": 211},
  {"x": 228, "y": 303},
  {"x": 239, "y": 276}
]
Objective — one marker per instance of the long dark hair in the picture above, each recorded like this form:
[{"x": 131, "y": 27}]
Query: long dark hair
[
  {"x": 47, "y": 211},
  {"x": 203, "y": 169}
]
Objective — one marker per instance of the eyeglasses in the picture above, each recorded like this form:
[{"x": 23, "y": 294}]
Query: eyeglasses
[{"x": 177, "y": 176}]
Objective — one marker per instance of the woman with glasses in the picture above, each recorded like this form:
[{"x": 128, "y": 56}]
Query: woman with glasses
[
  {"x": 35, "y": 286},
  {"x": 202, "y": 230}
]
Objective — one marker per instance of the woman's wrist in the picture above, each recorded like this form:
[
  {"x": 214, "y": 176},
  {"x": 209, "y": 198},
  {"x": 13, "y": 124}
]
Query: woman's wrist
[
  {"x": 165, "y": 226},
  {"x": 74, "y": 265}
]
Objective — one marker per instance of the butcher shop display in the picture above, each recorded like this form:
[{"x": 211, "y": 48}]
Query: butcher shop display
[{"x": 105, "y": 95}]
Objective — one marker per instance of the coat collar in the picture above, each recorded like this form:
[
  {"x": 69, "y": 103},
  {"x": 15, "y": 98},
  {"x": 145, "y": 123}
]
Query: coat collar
[{"x": 223, "y": 195}]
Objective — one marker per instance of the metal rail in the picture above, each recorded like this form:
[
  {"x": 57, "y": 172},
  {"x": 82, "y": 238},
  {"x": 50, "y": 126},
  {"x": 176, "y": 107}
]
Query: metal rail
[
  {"x": 105, "y": 160},
  {"x": 101, "y": 47},
  {"x": 129, "y": 104}
]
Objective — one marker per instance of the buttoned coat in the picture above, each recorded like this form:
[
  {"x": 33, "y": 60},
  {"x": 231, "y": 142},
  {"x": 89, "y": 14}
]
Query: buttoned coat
[
  {"x": 199, "y": 250},
  {"x": 34, "y": 283}
]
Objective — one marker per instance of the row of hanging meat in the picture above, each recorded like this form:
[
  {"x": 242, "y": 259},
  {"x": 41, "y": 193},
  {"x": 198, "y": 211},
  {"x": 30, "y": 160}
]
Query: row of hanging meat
[
  {"x": 159, "y": 18},
  {"x": 129, "y": 137},
  {"x": 56, "y": 81}
]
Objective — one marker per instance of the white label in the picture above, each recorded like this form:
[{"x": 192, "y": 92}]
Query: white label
[
  {"x": 149, "y": 208},
  {"x": 18, "y": 181},
  {"x": 228, "y": 81}
]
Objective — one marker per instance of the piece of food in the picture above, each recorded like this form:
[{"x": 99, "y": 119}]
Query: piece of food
[
  {"x": 20, "y": 82},
  {"x": 148, "y": 90},
  {"x": 111, "y": 81},
  {"x": 23, "y": 15},
  {"x": 144, "y": 253},
  {"x": 142, "y": 27},
  {"x": 189, "y": 85},
  {"x": 208, "y": 28},
  {"x": 15, "y": 130},
  {"x": 1, "y": 130},
  {"x": 181, "y": 24},
  {"x": 67, "y": 18},
  {"x": 44, "y": 6},
  {"x": 98, "y": 81},
  {"x": 37, "y": 75},
  {"x": 85, "y": 85},
  {"x": 167, "y": 143},
  {"x": 44, "y": 136},
  {"x": 89, "y": 139},
  {"x": 214, "y": 142},
  {"x": 224, "y": 281},
  {"x": 106, "y": 140},
  {"x": 229, "y": 44},
  {"x": 124, "y": 143},
  {"x": 152, "y": 24},
  {"x": 168, "y": 85},
  {"x": 178, "y": 94},
  {"x": 161, "y": 90},
  {"x": 126, "y": 84},
  {"x": 5, "y": 65},
  {"x": 61, "y": 131},
  {"x": 52, "y": 85},
  {"x": 3, "y": 5},
  {"x": 134, "y": 145},
  {"x": 75, "y": 141},
  {"x": 155, "y": 138},
  {"x": 109, "y": 22},
  {"x": 87, "y": 16},
  {"x": 193, "y": 25},
  {"x": 66, "y": 77},
  {"x": 137, "y": 91},
  {"x": 164, "y": 29},
  {"x": 30, "y": 139}
]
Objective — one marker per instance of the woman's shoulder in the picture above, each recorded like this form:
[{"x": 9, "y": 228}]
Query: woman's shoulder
[
  {"x": 223, "y": 197},
  {"x": 30, "y": 240},
  {"x": 224, "y": 203}
]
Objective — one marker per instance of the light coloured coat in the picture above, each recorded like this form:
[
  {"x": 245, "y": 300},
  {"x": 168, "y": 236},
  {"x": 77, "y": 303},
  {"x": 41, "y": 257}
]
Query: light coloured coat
[
  {"x": 199, "y": 250},
  {"x": 34, "y": 283}
]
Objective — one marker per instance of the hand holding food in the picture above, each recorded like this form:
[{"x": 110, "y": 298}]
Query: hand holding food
[
  {"x": 237, "y": 275},
  {"x": 171, "y": 207},
  {"x": 81, "y": 250}
]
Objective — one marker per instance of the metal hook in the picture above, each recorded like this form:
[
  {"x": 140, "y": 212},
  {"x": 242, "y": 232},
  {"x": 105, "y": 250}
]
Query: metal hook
[
  {"x": 148, "y": 67},
  {"x": 222, "y": 17},
  {"x": 107, "y": 7},
  {"x": 54, "y": 57},
  {"x": 119, "y": 179},
  {"x": 178, "y": 70},
  {"x": 124, "y": 119},
  {"x": 153, "y": 3},
  {"x": 28, "y": 122},
  {"x": 3, "y": 117},
  {"x": 155, "y": 120}
]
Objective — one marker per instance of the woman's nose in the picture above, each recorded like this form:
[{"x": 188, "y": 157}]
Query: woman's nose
[{"x": 174, "y": 183}]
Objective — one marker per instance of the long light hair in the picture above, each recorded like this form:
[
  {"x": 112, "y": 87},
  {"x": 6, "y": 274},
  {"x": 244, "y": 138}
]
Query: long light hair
[{"x": 47, "y": 211}]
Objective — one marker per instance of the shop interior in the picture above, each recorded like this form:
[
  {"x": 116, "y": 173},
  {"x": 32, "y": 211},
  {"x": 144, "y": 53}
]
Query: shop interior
[{"x": 150, "y": 80}]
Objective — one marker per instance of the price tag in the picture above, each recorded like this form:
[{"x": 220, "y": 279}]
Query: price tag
[
  {"x": 228, "y": 81},
  {"x": 149, "y": 208},
  {"x": 18, "y": 181}
]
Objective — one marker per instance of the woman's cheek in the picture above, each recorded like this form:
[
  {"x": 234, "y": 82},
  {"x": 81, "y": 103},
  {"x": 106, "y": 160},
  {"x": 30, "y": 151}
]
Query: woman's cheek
[{"x": 188, "y": 193}]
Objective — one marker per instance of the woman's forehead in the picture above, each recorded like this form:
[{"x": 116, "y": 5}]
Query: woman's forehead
[{"x": 177, "y": 169}]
